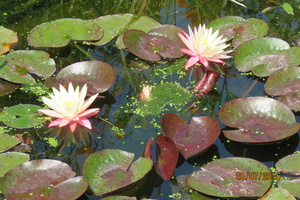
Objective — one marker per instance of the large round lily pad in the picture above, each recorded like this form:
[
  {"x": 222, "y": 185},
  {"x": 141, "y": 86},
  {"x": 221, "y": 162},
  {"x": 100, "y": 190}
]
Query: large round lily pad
[
  {"x": 17, "y": 65},
  {"x": 112, "y": 169},
  {"x": 60, "y": 32},
  {"x": 44, "y": 178},
  {"x": 21, "y": 116},
  {"x": 265, "y": 55},
  {"x": 160, "y": 41},
  {"x": 258, "y": 119},
  {"x": 289, "y": 164},
  {"x": 232, "y": 177},
  {"x": 98, "y": 76},
  {"x": 191, "y": 139},
  {"x": 239, "y": 29}
]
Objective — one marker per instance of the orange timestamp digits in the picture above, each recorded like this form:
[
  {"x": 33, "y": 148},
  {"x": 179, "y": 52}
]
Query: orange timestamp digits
[{"x": 257, "y": 176}]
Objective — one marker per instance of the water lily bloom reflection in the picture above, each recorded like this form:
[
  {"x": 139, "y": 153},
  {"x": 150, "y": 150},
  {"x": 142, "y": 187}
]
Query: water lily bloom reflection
[
  {"x": 70, "y": 107},
  {"x": 204, "y": 46}
]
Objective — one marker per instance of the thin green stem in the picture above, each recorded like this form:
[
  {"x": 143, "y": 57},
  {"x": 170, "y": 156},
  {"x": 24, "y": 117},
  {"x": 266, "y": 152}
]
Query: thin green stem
[{"x": 84, "y": 52}]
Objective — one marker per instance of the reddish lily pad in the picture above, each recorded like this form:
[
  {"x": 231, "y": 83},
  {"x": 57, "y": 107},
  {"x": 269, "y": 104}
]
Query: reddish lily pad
[
  {"x": 265, "y": 55},
  {"x": 17, "y": 65},
  {"x": 278, "y": 194},
  {"x": 42, "y": 178},
  {"x": 119, "y": 198},
  {"x": 231, "y": 177},
  {"x": 160, "y": 41},
  {"x": 283, "y": 81},
  {"x": 259, "y": 120},
  {"x": 7, "y": 39},
  {"x": 60, "y": 32},
  {"x": 239, "y": 29},
  {"x": 7, "y": 87},
  {"x": 289, "y": 164},
  {"x": 191, "y": 139},
  {"x": 112, "y": 169},
  {"x": 292, "y": 185},
  {"x": 98, "y": 76},
  {"x": 292, "y": 100},
  {"x": 166, "y": 160}
]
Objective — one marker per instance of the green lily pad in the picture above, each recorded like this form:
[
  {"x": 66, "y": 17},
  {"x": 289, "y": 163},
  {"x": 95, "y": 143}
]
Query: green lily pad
[
  {"x": 289, "y": 164},
  {"x": 44, "y": 178},
  {"x": 283, "y": 81},
  {"x": 258, "y": 119},
  {"x": 117, "y": 24},
  {"x": 7, "y": 39},
  {"x": 21, "y": 116},
  {"x": 60, "y": 32},
  {"x": 7, "y": 141},
  {"x": 10, "y": 160},
  {"x": 278, "y": 194},
  {"x": 239, "y": 29},
  {"x": 265, "y": 55},
  {"x": 112, "y": 169},
  {"x": 98, "y": 76},
  {"x": 292, "y": 185},
  {"x": 17, "y": 65},
  {"x": 232, "y": 177}
]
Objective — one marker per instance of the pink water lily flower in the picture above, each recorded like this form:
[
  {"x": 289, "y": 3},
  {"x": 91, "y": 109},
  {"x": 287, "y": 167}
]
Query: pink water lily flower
[
  {"x": 204, "y": 46},
  {"x": 70, "y": 107}
]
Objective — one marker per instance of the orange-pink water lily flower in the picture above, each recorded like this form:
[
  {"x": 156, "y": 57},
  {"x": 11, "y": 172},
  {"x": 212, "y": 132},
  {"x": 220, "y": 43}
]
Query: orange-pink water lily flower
[
  {"x": 70, "y": 107},
  {"x": 204, "y": 46}
]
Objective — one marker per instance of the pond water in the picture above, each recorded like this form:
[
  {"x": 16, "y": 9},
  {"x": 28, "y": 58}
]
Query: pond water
[{"x": 119, "y": 107}]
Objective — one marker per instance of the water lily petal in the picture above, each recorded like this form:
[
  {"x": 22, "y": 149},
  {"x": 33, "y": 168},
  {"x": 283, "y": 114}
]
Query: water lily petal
[
  {"x": 72, "y": 126},
  {"x": 55, "y": 122},
  {"x": 192, "y": 61},
  {"x": 50, "y": 113},
  {"x": 84, "y": 122},
  {"x": 89, "y": 112},
  {"x": 89, "y": 101}
]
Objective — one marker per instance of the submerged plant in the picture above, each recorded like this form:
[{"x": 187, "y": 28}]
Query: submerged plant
[
  {"x": 69, "y": 107},
  {"x": 204, "y": 46}
]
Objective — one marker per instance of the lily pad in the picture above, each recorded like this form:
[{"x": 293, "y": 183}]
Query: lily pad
[
  {"x": 17, "y": 66},
  {"x": 258, "y": 119},
  {"x": 160, "y": 41},
  {"x": 8, "y": 141},
  {"x": 112, "y": 169},
  {"x": 292, "y": 185},
  {"x": 265, "y": 55},
  {"x": 7, "y": 87},
  {"x": 283, "y": 81},
  {"x": 60, "y": 32},
  {"x": 278, "y": 194},
  {"x": 119, "y": 198},
  {"x": 191, "y": 139},
  {"x": 117, "y": 24},
  {"x": 21, "y": 116},
  {"x": 98, "y": 76},
  {"x": 164, "y": 156},
  {"x": 42, "y": 178},
  {"x": 239, "y": 29},
  {"x": 7, "y": 39},
  {"x": 10, "y": 160},
  {"x": 289, "y": 164},
  {"x": 231, "y": 177},
  {"x": 292, "y": 100}
]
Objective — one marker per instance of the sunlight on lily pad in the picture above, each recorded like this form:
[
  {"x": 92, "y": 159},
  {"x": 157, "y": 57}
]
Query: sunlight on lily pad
[
  {"x": 7, "y": 142},
  {"x": 289, "y": 164},
  {"x": 10, "y": 160},
  {"x": 278, "y": 194},
  {"x": 7, "y": 39}
]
